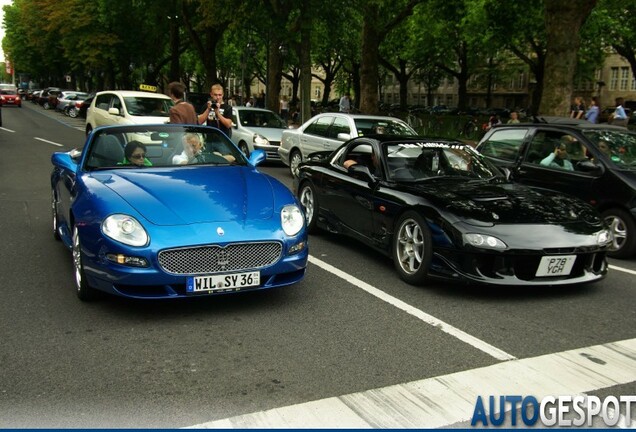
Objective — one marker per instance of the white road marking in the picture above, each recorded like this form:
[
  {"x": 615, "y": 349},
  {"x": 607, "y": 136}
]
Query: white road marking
[
  {"x": 429, "y": 319},
  {"x": 8, "y": 130},
  {"x": 49, "y": 142},
  {"x": 613, "y": 267},
  {"x": 449, "y": 399}
]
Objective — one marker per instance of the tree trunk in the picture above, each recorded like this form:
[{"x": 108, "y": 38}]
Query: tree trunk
[
  {"x": 563, "y": 21},
  {"x": 370, "y": 59}
]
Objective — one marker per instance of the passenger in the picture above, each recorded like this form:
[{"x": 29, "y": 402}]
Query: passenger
[
  {"x": 192, "y": 147},
  {"x": 135, "y": 154},
  {"x": 558, "y": 158}
]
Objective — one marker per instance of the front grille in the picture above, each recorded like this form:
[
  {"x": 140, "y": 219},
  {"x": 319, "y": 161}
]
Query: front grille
[{"x": 220, "y": 259}]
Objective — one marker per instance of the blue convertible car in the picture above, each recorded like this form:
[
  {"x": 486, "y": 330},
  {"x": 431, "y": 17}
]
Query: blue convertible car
[{"x": 172, "y": 211}]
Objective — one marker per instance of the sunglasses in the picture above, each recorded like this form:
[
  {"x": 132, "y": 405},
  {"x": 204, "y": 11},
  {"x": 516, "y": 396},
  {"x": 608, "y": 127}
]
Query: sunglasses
[{"x": 138, "y": 156}]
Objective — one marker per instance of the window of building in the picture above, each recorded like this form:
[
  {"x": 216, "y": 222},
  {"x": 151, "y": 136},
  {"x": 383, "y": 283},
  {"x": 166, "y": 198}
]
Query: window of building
[
  {"x": 613, "y": 78},
  {"x": 624, "y": 77}
]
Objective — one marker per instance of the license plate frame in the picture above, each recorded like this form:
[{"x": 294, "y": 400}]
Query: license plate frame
[
  {"x": 222, "y": 282},
  {"x": 555, "y": 265}
]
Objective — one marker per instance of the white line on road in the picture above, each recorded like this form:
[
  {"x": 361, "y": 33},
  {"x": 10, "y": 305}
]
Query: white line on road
[
  {"x": 8, "y": 130},
  {"x": 429, "y": 319},
  {"x": 49, "y": 142},
  {"x": 450, "y": 399},
  {"x": 613, "y": 267}
]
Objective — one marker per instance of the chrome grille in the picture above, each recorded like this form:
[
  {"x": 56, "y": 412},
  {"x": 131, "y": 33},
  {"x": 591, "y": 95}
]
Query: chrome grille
[{"x": 220, "y": 259}]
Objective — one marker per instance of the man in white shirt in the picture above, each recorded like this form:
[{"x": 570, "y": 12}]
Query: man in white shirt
[{"x": 345, "y": 103}]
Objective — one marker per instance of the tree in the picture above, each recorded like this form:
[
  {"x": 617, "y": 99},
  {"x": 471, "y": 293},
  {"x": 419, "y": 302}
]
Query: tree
[{"x": 563, "y": 22}]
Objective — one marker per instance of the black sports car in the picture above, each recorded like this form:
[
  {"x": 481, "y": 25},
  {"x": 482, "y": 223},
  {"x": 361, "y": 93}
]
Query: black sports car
[{"x": 440, "y": 209}]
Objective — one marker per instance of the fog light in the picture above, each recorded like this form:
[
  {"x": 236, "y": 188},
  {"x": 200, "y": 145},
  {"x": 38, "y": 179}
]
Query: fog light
[
  {"x": 294, "y": 249},
  {"x": 132, "y": 261}
]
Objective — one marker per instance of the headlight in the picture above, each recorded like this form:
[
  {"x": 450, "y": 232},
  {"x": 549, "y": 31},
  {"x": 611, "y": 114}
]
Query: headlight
[
  {"x": 260, "y": 140},
  {"x": 125, "y": 229},
  {"x": 604, "y": 237},
  {"x": 292, "y": 220},
  {"x": 484, "y": 241}
]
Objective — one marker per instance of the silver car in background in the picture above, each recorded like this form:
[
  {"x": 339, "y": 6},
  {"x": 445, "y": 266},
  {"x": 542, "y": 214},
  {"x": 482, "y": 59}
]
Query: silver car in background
[
  {"x": 327, "y": 131},
  {"x": 257, "y": 128}
]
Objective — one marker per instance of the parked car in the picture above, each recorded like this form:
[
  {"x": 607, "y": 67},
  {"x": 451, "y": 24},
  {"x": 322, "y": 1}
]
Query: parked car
[
  {"x": 158, "y": 230},
  {"x": 79, "y": 108},
  {"x": 10, "y": 98},
  {"x": 441, "y": 210},
  {"x": 122, "y": 107},
  {"x": 257, "y": 128},
  {"x": 67, "y": 98},
  {"x": 328, "y": 131},
  {"x": 605, "y": 178},
  {"x": 35, "y": 96},
  {"x": 43, "y": 98}
]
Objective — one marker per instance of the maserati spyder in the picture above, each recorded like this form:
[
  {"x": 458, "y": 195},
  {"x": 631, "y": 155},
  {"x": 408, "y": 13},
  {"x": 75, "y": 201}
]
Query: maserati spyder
[
  {"x": 440, "y": 210},
  {"x": 168, "y": 211}
]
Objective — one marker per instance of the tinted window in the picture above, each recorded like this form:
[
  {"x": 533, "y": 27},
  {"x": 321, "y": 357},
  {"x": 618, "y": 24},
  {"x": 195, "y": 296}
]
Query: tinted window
[
  {"x": 339, "y": 125},
  {"x": 382, "y": 126},
  {"x": 260, "y": 119},
  {"x": 504, "y": 144},
  {"x": 319, "y": 127},
  {"x": 143, "y": 106},
  {"x": 103, "y": 101}
]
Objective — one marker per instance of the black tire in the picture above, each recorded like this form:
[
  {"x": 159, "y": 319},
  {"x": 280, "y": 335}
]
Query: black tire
[
  {"x": 56, "y": 234},
  {"x": 244, "y": 148},
  {"x": 295, "y": 158},
  {"x": 412, "y": 248},
  {"x": 46, "y": 105},
  {"x": 309, "y": 202},
  {"x": 83, "y": 290},
  {"x": 623, "y": 228},
  {"x": 89, "y": 129}
]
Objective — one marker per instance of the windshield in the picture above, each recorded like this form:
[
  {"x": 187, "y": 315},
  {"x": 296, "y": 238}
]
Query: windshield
[
  {"x": 618, "y": 146},
  {"x": 264, "y": 119},
  {"x": 174, "y": 146},
  {"x": 368, "y": 126},
  {"x": 153, "y": 107},
  {"x": 415, "y": 161}
]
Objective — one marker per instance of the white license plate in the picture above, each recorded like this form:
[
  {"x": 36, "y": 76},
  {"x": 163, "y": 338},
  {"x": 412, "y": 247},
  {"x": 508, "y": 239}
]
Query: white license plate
[
  {"x": 232, "y": 281},
  {"x": 556, "y": 265}
]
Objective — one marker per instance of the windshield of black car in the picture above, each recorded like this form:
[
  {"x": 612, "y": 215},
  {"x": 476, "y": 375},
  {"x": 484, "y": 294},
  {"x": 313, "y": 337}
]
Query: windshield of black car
[
  {"x": 174, "y": 146},
  {"x": 415, "y": 161},
  {"x": 619, "y": 147},
  {"x": 264, "y": 119},
  {"x": 148, "y": 106}
]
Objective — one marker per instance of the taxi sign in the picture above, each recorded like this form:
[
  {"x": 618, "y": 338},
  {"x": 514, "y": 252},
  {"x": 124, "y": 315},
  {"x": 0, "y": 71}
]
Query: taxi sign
[{"x": 146, "y": 87}]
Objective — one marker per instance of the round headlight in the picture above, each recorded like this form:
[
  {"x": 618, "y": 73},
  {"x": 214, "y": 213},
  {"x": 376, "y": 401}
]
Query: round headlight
[
  {"x": 125, "y": 229},
  {"x": 292, "y": 220},
  {"x": 484, "y": 241}
]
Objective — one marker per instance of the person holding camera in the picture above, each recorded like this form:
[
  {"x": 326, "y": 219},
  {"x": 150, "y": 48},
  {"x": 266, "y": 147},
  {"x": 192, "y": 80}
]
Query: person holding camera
[{"x": 220, "y": 114}]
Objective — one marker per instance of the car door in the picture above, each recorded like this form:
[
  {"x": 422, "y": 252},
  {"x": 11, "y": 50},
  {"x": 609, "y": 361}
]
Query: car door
[
  {"x": 314, "y": 137},
  {"x": 535, "y": 170},
  {"x": 349, "y": 196}
]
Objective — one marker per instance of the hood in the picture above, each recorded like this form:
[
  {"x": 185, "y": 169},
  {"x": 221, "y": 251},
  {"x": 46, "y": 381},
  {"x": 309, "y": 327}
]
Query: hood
[
  {"x": 508, "y": 203},
  {"x": 194, "y": 194}
]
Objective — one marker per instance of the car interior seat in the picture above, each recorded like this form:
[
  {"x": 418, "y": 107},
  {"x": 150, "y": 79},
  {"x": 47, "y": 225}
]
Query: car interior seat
[{"x": 107, "y": 152}]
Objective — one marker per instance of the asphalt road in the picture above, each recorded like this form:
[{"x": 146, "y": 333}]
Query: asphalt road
[{"x": 350, "y": 328}]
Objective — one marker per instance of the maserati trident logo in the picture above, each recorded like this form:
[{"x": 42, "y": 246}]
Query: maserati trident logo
[
  {"x": 222, "y": 259},
  {"x": 220, "y": 231}
]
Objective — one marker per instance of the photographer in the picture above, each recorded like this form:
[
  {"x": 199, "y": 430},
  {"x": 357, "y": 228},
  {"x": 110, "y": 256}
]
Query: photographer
[{"x": 220, "y": 114}]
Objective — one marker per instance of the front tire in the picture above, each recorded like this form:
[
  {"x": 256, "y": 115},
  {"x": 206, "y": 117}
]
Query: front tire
[
  {"x": 56, "y": 233},
  {"x": 244, "y": 148},
  {"x": 309, "y": 201},
  {"x": 294, "y": 161},
  {"x": 83, "y": 290},
  {"x": 623, "y": 230},
  {"x": 412, "y": 248},
  {"x": 72, "y": 112}
]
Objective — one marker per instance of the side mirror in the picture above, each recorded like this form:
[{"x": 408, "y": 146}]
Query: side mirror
[
  {"x": 257, "y": 157},
  {"x": 113, "y": 111},
  {"x": 344, "y": 137},
  {"x": 589, "y": 167},
  {"x": 64, "y": 160},
  {"x": 361, "y": 171}
]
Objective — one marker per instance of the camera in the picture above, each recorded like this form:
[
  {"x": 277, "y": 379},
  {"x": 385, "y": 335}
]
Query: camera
[{"x": 214, "y": 104}]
